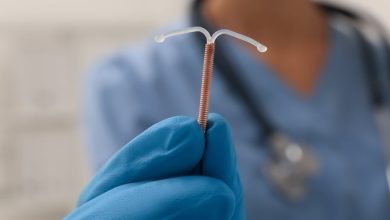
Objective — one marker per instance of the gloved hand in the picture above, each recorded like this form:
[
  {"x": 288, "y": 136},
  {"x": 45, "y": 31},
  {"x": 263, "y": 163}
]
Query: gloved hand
[{"x": 170, "y": 171}]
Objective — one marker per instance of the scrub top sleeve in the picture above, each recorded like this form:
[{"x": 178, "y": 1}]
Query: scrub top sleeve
[{"x": 111, "y": 108}]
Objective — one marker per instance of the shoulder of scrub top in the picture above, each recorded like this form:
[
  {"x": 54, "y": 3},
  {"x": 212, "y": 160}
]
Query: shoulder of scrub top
[
  {"x": 377, "y": 40},
  {"x": 147, "y": 74},
  {"x": 143, "y": 62}
]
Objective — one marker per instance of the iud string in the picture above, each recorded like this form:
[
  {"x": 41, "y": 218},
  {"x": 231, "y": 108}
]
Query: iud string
[{"x": 208, "y": 63}]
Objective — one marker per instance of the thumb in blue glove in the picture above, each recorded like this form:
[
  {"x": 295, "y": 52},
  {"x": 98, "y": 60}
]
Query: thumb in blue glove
[{"x": 156, "y": 176}]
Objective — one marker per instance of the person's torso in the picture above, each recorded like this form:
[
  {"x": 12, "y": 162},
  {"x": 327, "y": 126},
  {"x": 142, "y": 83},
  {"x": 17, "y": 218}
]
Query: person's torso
[{"x": 337, "y": 124}]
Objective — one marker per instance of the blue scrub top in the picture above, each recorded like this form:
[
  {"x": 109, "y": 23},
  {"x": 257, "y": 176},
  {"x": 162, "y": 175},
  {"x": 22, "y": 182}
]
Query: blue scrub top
[{"x": 141, "y": 85}]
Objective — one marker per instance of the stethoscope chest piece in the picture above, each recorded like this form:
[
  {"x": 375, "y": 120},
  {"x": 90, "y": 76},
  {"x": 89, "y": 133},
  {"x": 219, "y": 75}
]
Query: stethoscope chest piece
[{"x": 290, "y": 167}]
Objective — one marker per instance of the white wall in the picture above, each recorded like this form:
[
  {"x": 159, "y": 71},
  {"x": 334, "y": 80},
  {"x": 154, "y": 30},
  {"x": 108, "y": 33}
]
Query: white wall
[
  {"x": 45, "y": 47},
  {"x": 87, "y": 12},
  {"x": 378, "y": 8}
]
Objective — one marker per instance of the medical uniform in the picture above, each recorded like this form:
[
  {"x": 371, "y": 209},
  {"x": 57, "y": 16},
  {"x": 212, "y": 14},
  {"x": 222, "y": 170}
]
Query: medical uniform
[{"x": 143, "y": 84}]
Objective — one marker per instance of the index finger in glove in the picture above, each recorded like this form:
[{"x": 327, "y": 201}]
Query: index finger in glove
[{"x": 172, "y": 147}]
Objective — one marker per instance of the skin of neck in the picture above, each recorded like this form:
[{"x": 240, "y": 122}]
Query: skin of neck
[
  {"x": 295, "y": 31},
  {"x": 279, "y": 21}
]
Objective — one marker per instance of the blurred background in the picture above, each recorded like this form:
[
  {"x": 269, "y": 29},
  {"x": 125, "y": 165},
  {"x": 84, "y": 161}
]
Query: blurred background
[{"x": 46, "y": 47}]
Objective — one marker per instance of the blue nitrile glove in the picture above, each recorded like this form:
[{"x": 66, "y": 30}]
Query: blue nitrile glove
[{"x": 170, "y": 171}]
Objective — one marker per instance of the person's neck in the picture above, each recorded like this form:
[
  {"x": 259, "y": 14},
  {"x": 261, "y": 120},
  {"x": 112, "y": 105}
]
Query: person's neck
[
  {"x": 276, "y": 22},
  {"x": 295, "y": 31}
]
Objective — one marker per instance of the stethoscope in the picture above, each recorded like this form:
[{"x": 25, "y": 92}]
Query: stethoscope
[{"x": 293, "y": 163}]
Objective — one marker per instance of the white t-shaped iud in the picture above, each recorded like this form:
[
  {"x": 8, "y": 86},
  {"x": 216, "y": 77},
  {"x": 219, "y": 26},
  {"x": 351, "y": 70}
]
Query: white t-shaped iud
[
  {"x": 211, "y": 38},
  {"x": 208, "y": 62}
]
